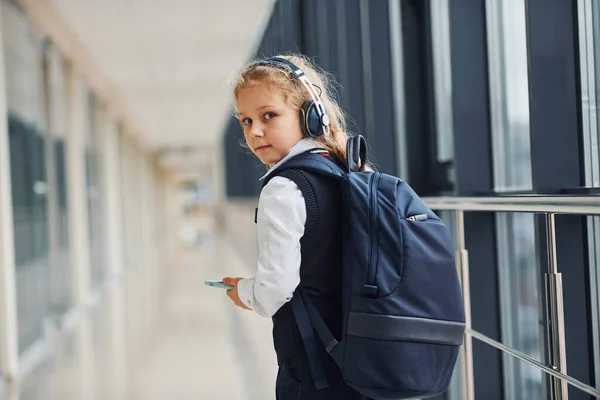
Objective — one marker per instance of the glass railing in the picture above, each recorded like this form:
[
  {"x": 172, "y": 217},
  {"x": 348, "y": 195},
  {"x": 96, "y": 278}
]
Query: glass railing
[{"x": 553, "y": 337}]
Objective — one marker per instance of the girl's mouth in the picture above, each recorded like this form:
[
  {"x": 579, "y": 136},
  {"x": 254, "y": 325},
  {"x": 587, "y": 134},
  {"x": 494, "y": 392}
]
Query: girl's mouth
[{"x": 260, "y": 148}]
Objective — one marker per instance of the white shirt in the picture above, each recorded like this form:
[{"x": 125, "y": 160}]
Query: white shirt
[{"x": 280, "y": 226}]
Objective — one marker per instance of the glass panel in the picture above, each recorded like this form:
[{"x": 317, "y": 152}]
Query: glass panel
[
  {"x": 130, "y": 191},
  {"x": 23, "y": 58},
  {"x": 397, "y": 55},
  {"x": 509, "y": 94},
  {"x": 520, "y": 303},
  {"x": 455, "y": 389},
  {"x": 594, "y": 245},
  {"x": 94, "y": 190},
  {"x": 516, "y": 238},
  {"x": 589, "y": 46},
  {"x": 592, "y": 147},
  {"x": 63, "y": 263},
  {"x": 442, "y": 79},
  {"x": 123, "y": 171},
  {"x": 57, "y": 178},
  {"x": 589, "y": 40}
]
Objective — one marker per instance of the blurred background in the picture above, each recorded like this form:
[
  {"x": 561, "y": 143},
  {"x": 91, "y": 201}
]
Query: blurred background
[{"x": 123, "y": 185}]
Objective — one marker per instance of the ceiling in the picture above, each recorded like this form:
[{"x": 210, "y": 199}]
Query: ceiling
[{"x": 170, "y": 61}]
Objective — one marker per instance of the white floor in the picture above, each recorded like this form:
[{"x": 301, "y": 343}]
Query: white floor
[{"x": 198, "y": 345}]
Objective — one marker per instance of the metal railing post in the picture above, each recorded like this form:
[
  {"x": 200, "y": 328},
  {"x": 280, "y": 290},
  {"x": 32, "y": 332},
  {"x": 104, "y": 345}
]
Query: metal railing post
[
  {"x": 466, "y": 353},
  {"x": 555, "y": 315}
]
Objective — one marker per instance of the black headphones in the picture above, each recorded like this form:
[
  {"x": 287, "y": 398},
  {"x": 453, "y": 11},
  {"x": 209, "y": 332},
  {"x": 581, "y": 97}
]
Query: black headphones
[{"x": 314, "y": 120}]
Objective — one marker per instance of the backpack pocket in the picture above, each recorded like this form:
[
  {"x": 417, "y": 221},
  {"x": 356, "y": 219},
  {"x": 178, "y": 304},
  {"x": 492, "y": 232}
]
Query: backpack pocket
[
  {"x": 427, "y": 266},
  {"x": 373, "y": 242},
  {"x": 388, "y": 369},
  {"x": 386, "y": 233}
]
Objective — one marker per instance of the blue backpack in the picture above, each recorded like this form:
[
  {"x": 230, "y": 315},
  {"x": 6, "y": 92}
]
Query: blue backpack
[{"x": 403, "y": 314}]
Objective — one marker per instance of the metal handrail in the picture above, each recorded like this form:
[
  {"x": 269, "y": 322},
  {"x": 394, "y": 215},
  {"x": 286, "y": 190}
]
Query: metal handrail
[
  {"x": 559, "y": 204},
  {"x": 555, "y": 337},
  {"x": 522, "y": 356}
]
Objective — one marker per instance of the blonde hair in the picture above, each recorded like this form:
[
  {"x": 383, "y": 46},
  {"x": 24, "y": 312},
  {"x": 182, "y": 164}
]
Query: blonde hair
[{"x": 282, "y": 79}]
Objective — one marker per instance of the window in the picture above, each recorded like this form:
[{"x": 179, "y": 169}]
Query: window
[
  {"x": 92, "y": 136},
  {"x": 519, "y": 302},
  {"x": 517, "y": 255},
  {"x": 589, "y": 44},
  {"x": 442, "y": 85},
  {"x": 442, "y": 89},
  {"x": 509, "y": 95},
  {"x": 57, "y": 179},
  {"x": 26, "y": 124},
  {"x": 455, "y": 389},
  {"x": 589, "y": 49},
  {"x": 594, "y": 245}
]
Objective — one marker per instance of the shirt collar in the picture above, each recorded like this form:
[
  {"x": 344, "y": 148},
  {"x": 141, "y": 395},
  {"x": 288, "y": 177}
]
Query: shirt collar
[{"x": 300, "y": 147}]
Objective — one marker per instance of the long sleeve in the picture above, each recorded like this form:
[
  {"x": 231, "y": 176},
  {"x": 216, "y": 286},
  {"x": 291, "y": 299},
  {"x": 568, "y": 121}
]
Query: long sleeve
[{"x": 280, "y": 226}]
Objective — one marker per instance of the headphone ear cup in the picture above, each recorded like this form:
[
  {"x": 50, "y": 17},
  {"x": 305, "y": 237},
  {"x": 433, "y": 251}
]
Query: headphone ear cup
[
  {"x": 303, "y": 126},
  {"x": 310, "y": 121}
]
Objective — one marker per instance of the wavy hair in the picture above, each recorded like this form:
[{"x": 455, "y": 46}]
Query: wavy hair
[{"x": 284, "y": 81}]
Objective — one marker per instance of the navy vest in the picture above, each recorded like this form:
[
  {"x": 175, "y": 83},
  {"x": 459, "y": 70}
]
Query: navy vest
[{"x": 321, "y": 266}]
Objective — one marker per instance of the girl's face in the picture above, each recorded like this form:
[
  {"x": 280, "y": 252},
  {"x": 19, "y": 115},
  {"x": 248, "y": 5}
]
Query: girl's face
[{"x": 271, "y": 125}]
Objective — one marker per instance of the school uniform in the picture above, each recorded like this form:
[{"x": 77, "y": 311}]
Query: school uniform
[{"x": 299, "y": 226}]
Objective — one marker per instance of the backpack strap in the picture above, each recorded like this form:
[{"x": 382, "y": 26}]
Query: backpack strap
[
  {"x": 327, "y": 338},
  {"x": 311, "y": 161},
  {"x": 308, "y": 321},
  {"x": 310, "y": 342}
]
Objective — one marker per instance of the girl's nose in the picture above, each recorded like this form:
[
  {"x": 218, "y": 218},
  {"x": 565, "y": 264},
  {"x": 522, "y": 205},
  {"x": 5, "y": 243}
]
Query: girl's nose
[{"x": 256, "y": 131}]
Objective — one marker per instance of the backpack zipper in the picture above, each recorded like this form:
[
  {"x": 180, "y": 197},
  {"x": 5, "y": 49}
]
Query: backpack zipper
[
  {"x": 373, "y": 230},
  {"x": 418, "y": 217}
]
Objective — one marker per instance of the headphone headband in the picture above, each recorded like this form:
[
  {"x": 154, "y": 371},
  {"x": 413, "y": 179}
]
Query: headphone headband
[{"x": 319, "y": 107}]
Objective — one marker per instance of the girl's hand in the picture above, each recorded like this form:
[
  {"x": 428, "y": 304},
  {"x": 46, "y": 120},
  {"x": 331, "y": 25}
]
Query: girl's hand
[{"x": 233, "y": 293}]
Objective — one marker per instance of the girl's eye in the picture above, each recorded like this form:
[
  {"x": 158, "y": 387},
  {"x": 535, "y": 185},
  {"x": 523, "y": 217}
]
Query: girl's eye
[
  {"x": 269, "y": 115},
  {"x": 246, "y": 121}
]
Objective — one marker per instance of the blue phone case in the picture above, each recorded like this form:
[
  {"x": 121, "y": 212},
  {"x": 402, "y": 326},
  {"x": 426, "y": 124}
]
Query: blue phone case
[{"x": 218, "y": 284}]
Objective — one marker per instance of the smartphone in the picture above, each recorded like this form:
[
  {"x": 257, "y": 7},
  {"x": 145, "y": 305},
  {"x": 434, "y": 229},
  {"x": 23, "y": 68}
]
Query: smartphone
[{"x": 218, "y": 284}]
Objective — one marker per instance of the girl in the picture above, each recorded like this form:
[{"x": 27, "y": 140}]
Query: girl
[{"x": 286, "y": 107}]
